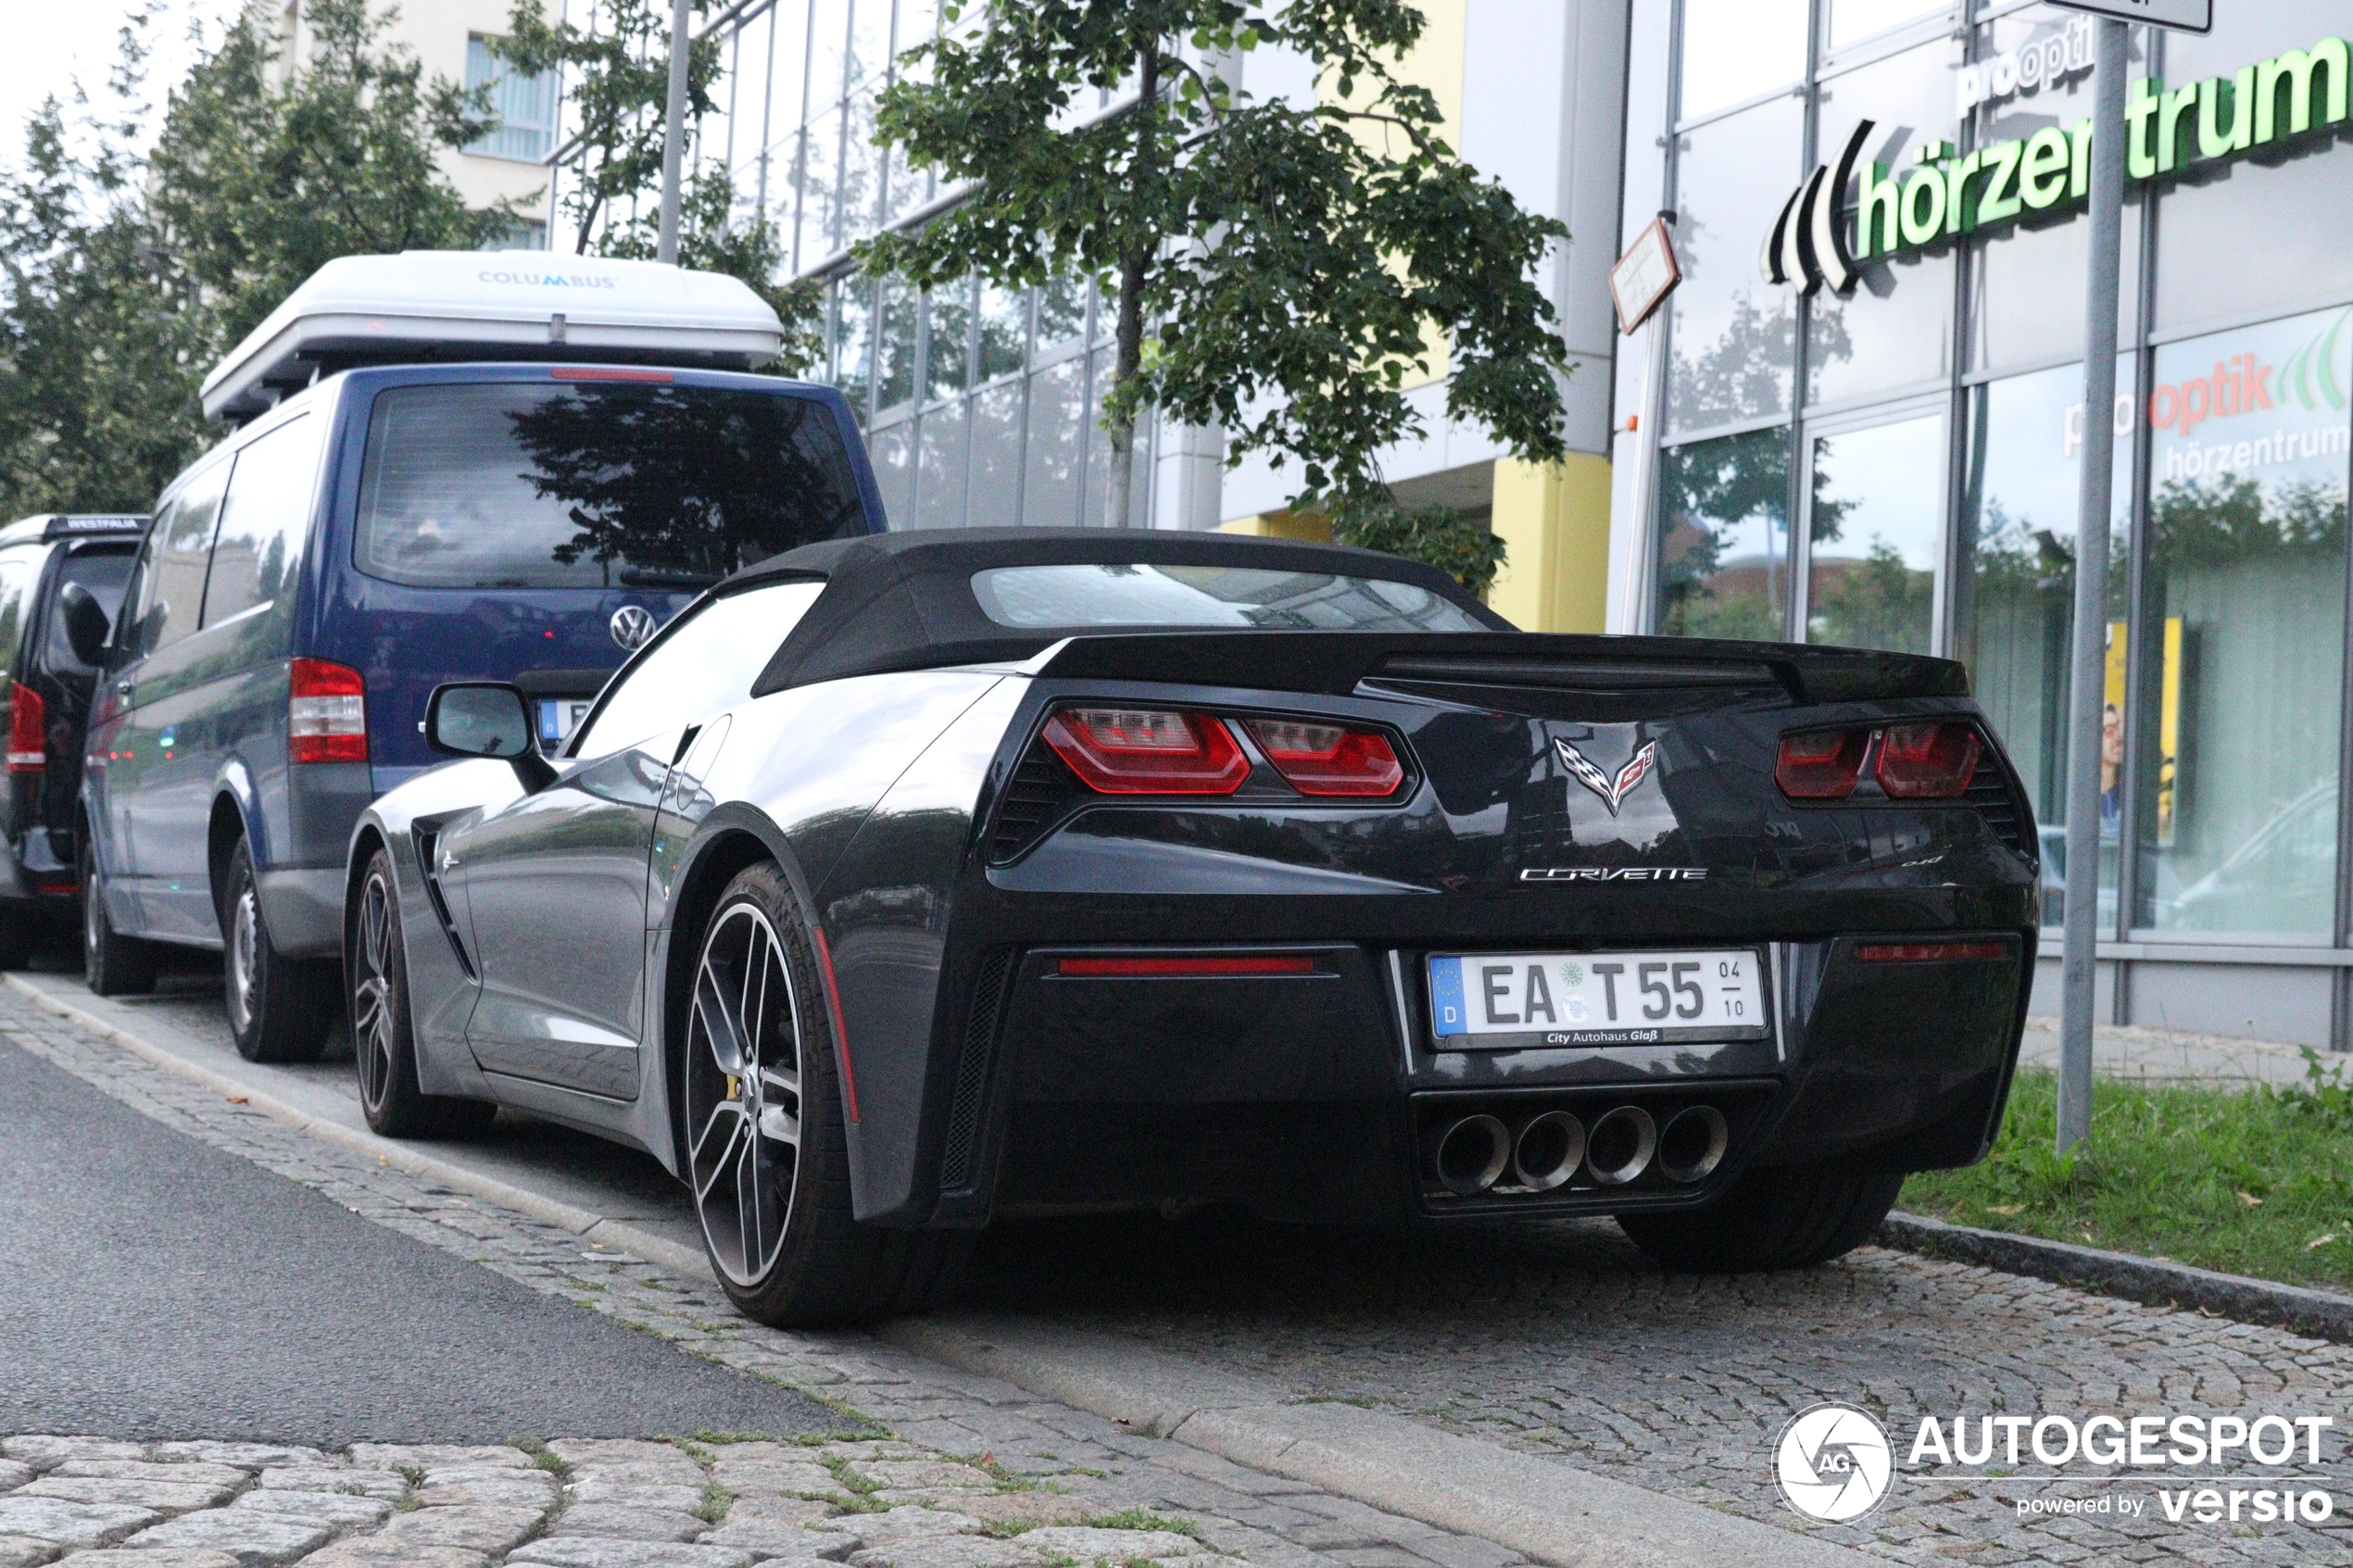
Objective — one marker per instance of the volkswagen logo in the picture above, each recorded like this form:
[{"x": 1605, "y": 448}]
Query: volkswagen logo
[
  {"x": 633, "y": 627},
  {"x": 1833, "y": 1463}
]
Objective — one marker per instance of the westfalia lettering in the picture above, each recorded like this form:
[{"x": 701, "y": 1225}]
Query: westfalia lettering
[{"x": 2222, "y": 116}]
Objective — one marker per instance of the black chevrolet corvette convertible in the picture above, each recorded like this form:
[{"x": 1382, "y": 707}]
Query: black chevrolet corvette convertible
[{"x": 907, "y": 881}]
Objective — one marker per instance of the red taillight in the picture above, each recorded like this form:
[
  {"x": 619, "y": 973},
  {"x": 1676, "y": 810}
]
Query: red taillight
[
  {"x": 27, "y": 730},
  {"x": 326, "y": 714},
  {"x": 1929, "y": 952},
  {"x": 1824, "y": 765},
  {"x": 1328, "y": 759},
  {"x": 1927, "y": 761},
  {"x": 1148, "y": 751},
  {"x": 1253, "y": 963}
]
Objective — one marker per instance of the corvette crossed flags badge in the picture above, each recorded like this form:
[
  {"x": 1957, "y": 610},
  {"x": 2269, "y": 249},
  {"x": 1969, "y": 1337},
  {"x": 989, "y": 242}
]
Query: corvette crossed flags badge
[{"x": 1611, "y": 790}]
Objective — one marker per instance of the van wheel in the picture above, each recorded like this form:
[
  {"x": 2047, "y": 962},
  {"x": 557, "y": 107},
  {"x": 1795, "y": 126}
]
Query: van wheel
[
  {"x": 766, "y": 1149},
  {"x": 279, "y": 1009},
  {"x": 383, "y": 1039},
  {"x": 112, "y": 965},
  {"x": 19, "y": 934},
  {"x": 1789, "y": 1217}
]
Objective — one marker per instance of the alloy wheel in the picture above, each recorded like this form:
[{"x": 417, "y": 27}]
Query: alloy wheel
[
  {"x": 372, "y": 994},
  {"x": 743, "y": 1093}
]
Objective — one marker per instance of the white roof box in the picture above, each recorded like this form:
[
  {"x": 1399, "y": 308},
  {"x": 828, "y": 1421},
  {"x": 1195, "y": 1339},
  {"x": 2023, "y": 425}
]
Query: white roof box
[{"x": 458, "y": 304}]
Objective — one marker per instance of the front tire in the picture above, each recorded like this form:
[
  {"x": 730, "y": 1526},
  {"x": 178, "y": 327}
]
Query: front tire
[
  {"x": 279, "y": 1009},
  {"x": 766, "y": 1152},
  {"x": 383, "y": 1039},
  {"x": 112, "y": 965},
  {"x": 1790, "y": 1217}
]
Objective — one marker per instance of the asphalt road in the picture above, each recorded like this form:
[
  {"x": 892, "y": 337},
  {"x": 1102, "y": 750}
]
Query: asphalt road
[{"x": 152, "y": 1286}]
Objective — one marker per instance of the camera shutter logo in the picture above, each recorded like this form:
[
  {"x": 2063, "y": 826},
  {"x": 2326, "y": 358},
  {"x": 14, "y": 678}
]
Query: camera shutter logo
[
  {"x": 633, "y": 627},
  {"x": 1833, "y": 1463}
]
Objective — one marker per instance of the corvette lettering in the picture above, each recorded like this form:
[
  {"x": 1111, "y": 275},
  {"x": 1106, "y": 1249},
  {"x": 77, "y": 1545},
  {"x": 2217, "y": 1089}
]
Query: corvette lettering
[{"x": 1614, "y": 873}]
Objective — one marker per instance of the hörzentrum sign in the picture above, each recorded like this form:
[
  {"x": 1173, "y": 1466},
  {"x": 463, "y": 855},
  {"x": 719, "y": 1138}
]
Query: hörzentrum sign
[{"x": 1947, "y": 194}]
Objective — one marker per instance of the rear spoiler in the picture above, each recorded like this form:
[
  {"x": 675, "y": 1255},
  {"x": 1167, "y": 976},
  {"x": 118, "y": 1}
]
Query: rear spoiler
[{"x": 1336, "y": 662}]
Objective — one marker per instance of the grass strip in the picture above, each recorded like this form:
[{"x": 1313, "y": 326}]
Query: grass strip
[{"x": 2256, "y": 1181}]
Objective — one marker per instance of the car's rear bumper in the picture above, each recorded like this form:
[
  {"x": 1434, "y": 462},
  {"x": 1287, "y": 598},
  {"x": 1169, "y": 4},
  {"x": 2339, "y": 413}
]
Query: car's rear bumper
[{"x": 1320, "y": 1095}]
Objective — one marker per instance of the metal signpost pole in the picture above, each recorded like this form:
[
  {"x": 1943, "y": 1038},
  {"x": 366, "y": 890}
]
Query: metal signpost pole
[
  {"x": 675, "y": 131},
  {"x": 2087, "y": 697}
]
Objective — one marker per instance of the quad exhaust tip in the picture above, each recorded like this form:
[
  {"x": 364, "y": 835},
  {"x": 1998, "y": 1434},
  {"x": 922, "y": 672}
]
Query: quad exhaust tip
[
  {"x": 1547, "y": 1152},
  {"x": 1693, "y": 1144},
  {"x": 1472, "y": 1154},
  {"x": 1621, "y": 1145}
]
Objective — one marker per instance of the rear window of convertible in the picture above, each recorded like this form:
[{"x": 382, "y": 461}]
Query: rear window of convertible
[
  {"x": 1092, "y": 596},
  {"x": 507, "y": 485}
]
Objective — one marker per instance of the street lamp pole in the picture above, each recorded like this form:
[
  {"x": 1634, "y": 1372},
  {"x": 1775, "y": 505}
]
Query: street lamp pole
[
  {"x": 675, "y": 131},
  {"x": 2088, "y": 692}
]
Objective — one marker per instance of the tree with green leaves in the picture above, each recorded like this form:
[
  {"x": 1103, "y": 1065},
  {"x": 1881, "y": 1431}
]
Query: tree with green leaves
[
  {"x": 617, "y": 83},
  {"x": 101, "y": 336},
  {"x": 1278, "y": 268},
  {"x": 264, "y": 174}
]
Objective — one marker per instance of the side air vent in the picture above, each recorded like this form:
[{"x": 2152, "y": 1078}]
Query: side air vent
[
  {"x": 1040, "y": 793},
  {"x": 972, "y": 1070},
  {"x": 1990, "y": 793}
]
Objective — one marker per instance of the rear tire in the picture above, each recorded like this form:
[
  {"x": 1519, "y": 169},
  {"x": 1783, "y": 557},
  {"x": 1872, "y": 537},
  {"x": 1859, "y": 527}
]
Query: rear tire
[
  {"x": 384, "y": 1039},
  {"x": 279, "y": 1009},
  {"x": 112, "y": 965},
  {"x": 1790, "y": 1217},
  {"x": 19, "y": 934},
  {"x": 764, "y": 1143}
]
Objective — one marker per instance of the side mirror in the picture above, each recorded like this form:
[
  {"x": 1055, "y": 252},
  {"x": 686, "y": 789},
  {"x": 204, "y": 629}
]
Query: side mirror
[
  {"x": 87, "y": 623},
  {"x": 486, "y": 718}
]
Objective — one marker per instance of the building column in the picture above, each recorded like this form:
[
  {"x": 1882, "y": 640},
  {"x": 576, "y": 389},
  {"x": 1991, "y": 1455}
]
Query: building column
[
  {"x": 1189, "y": 477},
  {"x": 1553, "y": 520}
]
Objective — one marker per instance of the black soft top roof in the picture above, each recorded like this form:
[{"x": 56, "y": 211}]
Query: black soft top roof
[{"x": 904, "y": 601}]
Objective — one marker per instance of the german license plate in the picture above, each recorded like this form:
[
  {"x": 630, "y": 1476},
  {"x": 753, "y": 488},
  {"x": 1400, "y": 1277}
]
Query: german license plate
[
  {"x": 1490, "y": 1001},
  {"x": 559, "y": 715}
]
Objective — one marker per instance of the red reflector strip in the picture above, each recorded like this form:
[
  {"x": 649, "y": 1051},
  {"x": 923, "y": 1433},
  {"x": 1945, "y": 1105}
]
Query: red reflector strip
[
  {"x": 610, "y": 372},
  {"x": 841, "y": 1034},
  {"x": 1263, "y": 964},
  {"x": 55, "y": 887},
  {"x": 1930, "y": 952}
]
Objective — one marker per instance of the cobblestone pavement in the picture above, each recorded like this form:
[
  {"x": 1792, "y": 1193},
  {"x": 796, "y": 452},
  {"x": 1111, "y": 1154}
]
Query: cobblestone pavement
[
  {"x": 2168, "y": 1055},
  {"x": 1046, "y": 1463},
  {"x": 1562, "y": 1341},
  {"x": 570, "y": 1503},
  {"x": 1556, "y": 1340}
]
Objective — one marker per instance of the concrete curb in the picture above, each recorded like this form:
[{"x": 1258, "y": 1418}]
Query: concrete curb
[
  {"x": 1545, "y": 1510},
  {"x": 2319, "y": 1313},
  {"x": 590, "y": 1226},
  {"x": 1549, "y": 1511}
]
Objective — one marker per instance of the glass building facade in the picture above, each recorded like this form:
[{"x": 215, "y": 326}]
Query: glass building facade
[
  {"x": 1897, "y": 466},
  {"x": 981, "y": 407}
]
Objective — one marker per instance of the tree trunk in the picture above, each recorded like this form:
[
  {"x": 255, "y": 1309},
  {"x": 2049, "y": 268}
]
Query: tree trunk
[{"x": 1134, "y": 261}]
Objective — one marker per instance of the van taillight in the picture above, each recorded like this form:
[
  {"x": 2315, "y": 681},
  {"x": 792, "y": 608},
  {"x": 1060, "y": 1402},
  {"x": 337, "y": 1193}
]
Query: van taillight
[
  {"x": 326, "y": 714},
  {"x": 27, "y": 730}
]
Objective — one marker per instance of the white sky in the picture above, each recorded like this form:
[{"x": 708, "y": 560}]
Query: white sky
[{"x": 51, "y": 43}]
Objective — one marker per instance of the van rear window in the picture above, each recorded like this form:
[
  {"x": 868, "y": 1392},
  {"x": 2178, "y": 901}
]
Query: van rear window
[{"x": 501, "y": 484}]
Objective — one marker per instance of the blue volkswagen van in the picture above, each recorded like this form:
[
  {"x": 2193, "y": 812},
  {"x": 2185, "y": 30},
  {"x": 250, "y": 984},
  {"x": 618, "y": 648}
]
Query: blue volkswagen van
[{"x": 375, "y": 530}]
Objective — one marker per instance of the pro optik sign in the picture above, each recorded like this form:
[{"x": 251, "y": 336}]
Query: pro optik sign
[{"x": 2292, "y": 96}]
